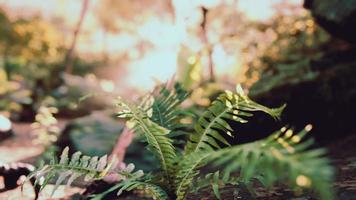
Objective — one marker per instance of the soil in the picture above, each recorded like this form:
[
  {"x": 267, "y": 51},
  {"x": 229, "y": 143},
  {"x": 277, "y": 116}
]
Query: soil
[
  {"x": 19, "y": 147},
  {"x": 343, "y": 153}
]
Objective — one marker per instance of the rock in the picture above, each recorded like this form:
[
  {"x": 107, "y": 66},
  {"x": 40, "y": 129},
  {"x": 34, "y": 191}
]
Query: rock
[
  {"x": 228, "y": 192},
  {"x": 138, "y": 154},
  {"x": 327, "y": 100},
  {"x": 347, "y": 195},
  {"x": 5, "y": 128},
  {"x": 336, "y": 16},
  {"x": 94, "y": 135},
  {"x": 79, "y": 96},
  {"x": 98, "y": 187}
]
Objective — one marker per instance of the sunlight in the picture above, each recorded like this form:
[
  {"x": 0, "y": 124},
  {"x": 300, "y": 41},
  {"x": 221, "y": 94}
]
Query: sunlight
[
  {"x": 162, "y": 67},
  {"x": 157, "y": 64}
]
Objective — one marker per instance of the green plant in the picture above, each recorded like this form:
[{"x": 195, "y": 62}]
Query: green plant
[
  {"x": 13, "y": 95},
  {"x": 78, "y": 165},
  {"x": 283, "y": 156},
  {"x": 45, "y": 126}
]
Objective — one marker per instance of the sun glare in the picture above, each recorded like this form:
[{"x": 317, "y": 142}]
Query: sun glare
[{"x": 158, "y": 61}]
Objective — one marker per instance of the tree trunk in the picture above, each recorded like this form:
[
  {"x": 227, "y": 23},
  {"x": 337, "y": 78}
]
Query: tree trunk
[
  {"x": 172, "y": 10},
  {"x": 105, "y": 45},
  {"x": 70, "y": 52},
  {"x": 6, "y": 63},
  {"x": 207, "y": 45}
]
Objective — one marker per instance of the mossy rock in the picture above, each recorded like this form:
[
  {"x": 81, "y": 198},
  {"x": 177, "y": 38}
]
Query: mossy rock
[
  {"x": 325, "y": 100},
  {"x": 94, "y": 135},
  {"x": 338, "y": 17}
]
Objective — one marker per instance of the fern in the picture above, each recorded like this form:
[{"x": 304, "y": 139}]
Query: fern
[
  {"x": 237, "y": 107},
  {"x": 46, "y": 126},
  {"x": 215, "y": 181},
  {"x": 135, "y": 181},
  {"x": 276, "y": 158},
  {"x": 156, "y": 136},
  {"x": 72, "y": 168},
  {"x": 152, "y": 190},
  {"x": 187, "y": 171},
  {"x": 280, "y": 157},
  {"x": 165, "y": 106}
]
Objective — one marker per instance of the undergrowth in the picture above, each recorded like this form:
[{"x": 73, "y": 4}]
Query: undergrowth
[{"x": 283, "y": 157}]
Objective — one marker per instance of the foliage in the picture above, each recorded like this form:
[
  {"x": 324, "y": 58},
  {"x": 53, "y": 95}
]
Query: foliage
[
  {"x": 290, "y": 41},
  {"x": 213, "y": 121},
  {"x": 32, "y": 52},
  {"x": 45, "y": 126},
  {"x": 78, "y": 165},
  {"x": 31, "y": 48},
  {"x": 156, "y": 135},
  {"x": 280, "y": 157},
  {"x": 189, "y": 72},
  {"x": 283, "y": 157},
  {"x": 13, "y": 95},
  {"x": 165, "y": 106}
]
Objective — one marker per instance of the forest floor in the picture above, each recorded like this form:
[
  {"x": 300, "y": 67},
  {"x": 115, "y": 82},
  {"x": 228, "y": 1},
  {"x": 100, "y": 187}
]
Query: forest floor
[{"x": 20, "y": 148}]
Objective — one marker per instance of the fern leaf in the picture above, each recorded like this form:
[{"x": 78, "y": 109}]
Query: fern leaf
[
  {"x": 72, "y": 168},
  {"x": 237, "y": 107},
  {"x": 135, "y": 181},
  {"x": 165, "y": 106},
  {"x": 152, "y": 190},
  {"x": 215, "y": 185},
  {"x": 280, "y": 157},
  {"x": 156, "y": 136},
  {"x": 188, "y": 170},
  {"x": 61, "y": 179},
  {"x": 215, "y": 181}
]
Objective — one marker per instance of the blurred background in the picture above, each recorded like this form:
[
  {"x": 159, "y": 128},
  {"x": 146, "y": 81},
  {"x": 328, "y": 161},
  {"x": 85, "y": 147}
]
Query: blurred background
[
  {"x": 66, "y": 49},
  {"x": 135, "y": 43},
  {"x": 63, "y": 62}
]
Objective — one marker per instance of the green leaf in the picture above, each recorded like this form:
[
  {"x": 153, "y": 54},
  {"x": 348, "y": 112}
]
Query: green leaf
[
  {"x": 156, "y": 136},
  {"x": 215, "y": 185},
  {"x": 281, "y": 157},
  {"x": 78, "y": 165},
  {"x": 212, "y": 123},
  {"x": 165, "y": 107},
  {"x": 135, "y": 181},
  {"x": 188, "y": 170}
]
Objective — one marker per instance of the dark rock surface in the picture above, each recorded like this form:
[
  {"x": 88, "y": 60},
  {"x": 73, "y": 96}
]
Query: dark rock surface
[
  {"x": 327, "y": 101},
  {"x": 338, "y": 17},
  {"x": 5, "y": 134},
  {"x": 94, "y": 135}
]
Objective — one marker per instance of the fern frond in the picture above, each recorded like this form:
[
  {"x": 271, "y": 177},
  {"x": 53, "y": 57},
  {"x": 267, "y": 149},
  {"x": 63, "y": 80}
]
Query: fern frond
[
  {"x": 237, "y": 107},
  {"x": 215, "y": 181},
  {"x": 136, "y": 182},
  {"x": 165, "y": 106},
  {"x": 188, "y": 169},
  {"x": 152, "y": 190},
  {"x": 188, "y": 172},
  {"x": 156, "y": 136},
  {"x": 71, "y": 168},
  {"x": 280, "y": 157}
]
